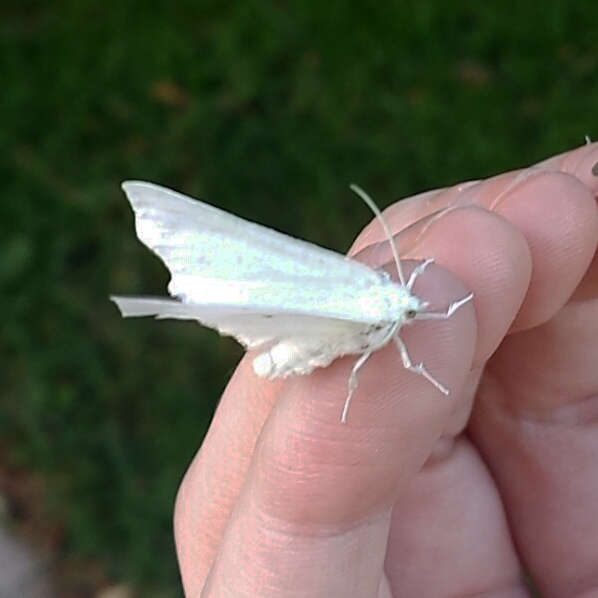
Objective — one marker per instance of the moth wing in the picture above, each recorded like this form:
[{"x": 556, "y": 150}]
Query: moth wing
[
  {"x": 318, "y": 298},
  {"x": 253, "y": 328},
  {"x": 198, "y": 242}
]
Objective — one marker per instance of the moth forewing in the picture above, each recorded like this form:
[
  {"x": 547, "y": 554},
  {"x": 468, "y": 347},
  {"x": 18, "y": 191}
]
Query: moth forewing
[{"x": 196, "y": 239}]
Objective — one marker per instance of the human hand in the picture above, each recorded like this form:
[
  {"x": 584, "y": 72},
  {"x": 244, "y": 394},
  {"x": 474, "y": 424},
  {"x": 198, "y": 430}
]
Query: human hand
[{"x": 422, "y": 494}]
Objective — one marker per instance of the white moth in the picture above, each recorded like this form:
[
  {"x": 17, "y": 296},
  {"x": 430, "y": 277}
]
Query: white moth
[{"x": 298, "y": 305}]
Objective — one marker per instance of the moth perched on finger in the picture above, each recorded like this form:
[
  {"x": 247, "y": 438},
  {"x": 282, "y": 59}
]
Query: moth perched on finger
[{"x": 298, "y": 305}]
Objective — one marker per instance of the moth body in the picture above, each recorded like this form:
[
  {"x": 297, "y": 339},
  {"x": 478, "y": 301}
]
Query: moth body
[{"x": 297, "y": 305}]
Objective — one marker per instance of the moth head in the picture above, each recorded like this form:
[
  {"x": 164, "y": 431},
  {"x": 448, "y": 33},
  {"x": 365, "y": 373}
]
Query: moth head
[{"x": 413, "y": 307}]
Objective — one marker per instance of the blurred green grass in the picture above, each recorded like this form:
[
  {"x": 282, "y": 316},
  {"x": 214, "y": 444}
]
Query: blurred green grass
[{"x": 265, "y": 108}]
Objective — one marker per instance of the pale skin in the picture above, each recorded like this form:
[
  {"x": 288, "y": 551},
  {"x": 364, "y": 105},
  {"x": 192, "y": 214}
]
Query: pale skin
[{"x": 421, "y": 494}]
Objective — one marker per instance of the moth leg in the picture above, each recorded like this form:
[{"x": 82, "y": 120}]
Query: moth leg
[
  {"x": 353, "y": 381},
  {"x": 362, "y": 359},
  {"x": 419, "y": 368},
  {"x": 418, "y": 271},
  {"x": 450, "y": 310}
]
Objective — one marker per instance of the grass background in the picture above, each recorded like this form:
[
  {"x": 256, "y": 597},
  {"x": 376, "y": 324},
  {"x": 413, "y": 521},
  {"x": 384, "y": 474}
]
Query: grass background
[{"x": 268, "y": 108}]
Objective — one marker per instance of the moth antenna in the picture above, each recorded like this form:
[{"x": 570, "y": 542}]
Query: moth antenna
[{"x": 370, "y": 203}]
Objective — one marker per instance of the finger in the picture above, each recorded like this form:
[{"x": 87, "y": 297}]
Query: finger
[
  {"x": 449, "y": 533},
  {"x": 314, "y": 513},
  {"x": 535, "y": 423},
  {"x": 535, "y": 418},
  {"x": 212, "y": 484},
  {"x": 581, "y": 163},
  {"x": 453, "y": 501},
  {"x": 557, "y": 215}
]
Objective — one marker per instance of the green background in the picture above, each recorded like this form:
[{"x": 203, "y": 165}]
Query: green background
[{"x": 268, "y": 109}]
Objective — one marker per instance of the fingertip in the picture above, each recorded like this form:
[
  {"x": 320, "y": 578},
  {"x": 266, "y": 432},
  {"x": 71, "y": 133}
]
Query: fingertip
[{"x": 557, "y": 215}]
